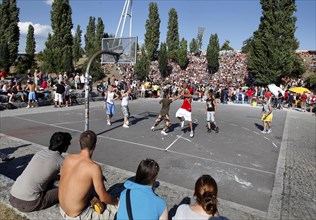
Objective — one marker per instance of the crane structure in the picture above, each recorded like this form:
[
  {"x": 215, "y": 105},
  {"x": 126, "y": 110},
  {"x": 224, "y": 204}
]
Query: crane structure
[{"x": 126, "y": 12}]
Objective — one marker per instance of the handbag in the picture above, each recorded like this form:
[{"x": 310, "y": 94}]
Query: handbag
[{"x": 128, "y": 205}]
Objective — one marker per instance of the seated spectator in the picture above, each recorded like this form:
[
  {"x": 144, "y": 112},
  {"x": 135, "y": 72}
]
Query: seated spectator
[
  {"x": 144, "y": 203},
  {"x": 206, "y": 202},
  {"x": 34, "y": 189},
  {"x": 82, "y": 178}
]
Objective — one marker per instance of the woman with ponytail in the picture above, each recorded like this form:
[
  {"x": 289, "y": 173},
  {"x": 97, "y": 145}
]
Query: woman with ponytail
[{"x": 205, "y": 193}]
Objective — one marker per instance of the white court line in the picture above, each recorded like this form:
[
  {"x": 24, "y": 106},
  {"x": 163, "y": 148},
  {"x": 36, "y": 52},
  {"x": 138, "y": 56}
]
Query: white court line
[
  {"x": 274, "y": 144},
  {"x": 72, "y": 122},
  {"x": 156, "y": 148},
  {"x": 256, "y": 133},
  {"x": 267, "y": 138},
  {"x": 179, "y": 136},
  {"x": 234, "y": 125},
  {"x": 221, "y": 162},
  {"x": 245, "y": 128}
]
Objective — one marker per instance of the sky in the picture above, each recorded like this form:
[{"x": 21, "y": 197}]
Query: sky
[{"x": 233, "y": 20}]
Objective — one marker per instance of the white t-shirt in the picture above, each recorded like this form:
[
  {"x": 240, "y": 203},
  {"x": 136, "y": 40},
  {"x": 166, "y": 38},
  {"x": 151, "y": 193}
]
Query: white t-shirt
[
  {"x": 110, "y": 97},
  {"x": 125, "y": 100},
  {"x": 185, "y": 212}
]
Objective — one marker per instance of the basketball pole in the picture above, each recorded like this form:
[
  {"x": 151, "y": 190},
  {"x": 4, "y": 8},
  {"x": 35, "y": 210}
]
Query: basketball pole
[{"x": 116, "y": 57}]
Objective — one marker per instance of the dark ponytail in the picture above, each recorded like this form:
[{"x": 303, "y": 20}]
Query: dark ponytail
[{"x": 206, "y": 194}]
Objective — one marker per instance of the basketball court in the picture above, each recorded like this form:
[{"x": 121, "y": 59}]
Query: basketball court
[{"x": 241, "y": 159}]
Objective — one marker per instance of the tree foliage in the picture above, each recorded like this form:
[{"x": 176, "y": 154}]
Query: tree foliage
[
  {"x": 142, "y": 66},
  {"x": 212, "y": 53},
  {"x": 194, "y": 46},
  {"x": 272, "y": 49},
  {"x": 90, "y": 37},
  {"x": 173, "y": 34},
  {"x": 58, "y": 52},
  {"x": 30, "y": 47},
  {"x": 93, "y": 43},
  {"x": 152, "y": 34},
  {"x": 182, "y": 57},
  {"x": 76, "y": 48},
  {"x": 226, "y": 46},
  {"x": 163, "y": 60},
  {"x": 9, "y": 33}
]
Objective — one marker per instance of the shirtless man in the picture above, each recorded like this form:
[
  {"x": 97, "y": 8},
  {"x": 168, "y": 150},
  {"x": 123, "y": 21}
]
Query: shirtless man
[
  {"x": 80, "y": 176},
  {"x": 32, "y": 97}
]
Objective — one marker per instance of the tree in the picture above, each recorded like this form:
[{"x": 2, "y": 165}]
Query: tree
[
  {"x": 194, "y": 46},
  {"x": 246, "y": 45},
  {"x": 272, "y": 51},
  {"x": 212, "y": 53},
  {"x": 59, "y": 52},
  {"x": 9, "y": 32},
  {"x": 99, "y": 35},
  {"x": 182, "y": 58},
  {"x": 30, "y": 47},
  {"x": 226, "y": 46},
  {"x": 4, "y": 55},
  {"x": 90, "y": 37},
  {"x": 163, "y": 60},
  {"x": 152, "y": 34},
  {"x": 173, "y": 34},
  {"x": 93, "y": 43},
  {"x": 142, "y": 66},
  {"x": 49, "y": 64},
  {"x": 76, "y": 48}
]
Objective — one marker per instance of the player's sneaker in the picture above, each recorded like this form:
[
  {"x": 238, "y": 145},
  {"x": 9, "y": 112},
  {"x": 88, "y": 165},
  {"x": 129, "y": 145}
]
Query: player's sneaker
[
  {"x": 109, "y": 123},
  {"x": 216, "y": 129},
  {"x": 209, "y": 130},
  {"x": 152, "y": 128},
  {"x": 191, "y": 134},
  {"x": 163, "y": 132},
  {"x": 269, "y": 131},
  {"x": 182, "y": 124},
  {"x": 28, "y": 106},
  {"x": 125, "y": 126},
  {"x": 263, "y": 132}
]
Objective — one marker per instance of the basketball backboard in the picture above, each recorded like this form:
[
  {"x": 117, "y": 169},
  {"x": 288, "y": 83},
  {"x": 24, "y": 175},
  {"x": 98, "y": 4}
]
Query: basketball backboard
[{"x": 125, "y": 46}]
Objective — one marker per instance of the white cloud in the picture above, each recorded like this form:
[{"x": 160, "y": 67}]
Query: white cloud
[
  {"x": 49, "y": 2},
  {"x": 40, "y": 30}
]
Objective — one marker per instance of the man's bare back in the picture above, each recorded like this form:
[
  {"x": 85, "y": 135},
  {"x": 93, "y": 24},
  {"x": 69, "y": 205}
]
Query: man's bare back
[
  {"x": 31, "y": 87},
  {"x": 79, "y": 175}
]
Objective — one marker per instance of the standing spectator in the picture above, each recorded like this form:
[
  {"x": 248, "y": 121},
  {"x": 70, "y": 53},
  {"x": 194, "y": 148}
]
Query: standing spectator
[
  {"x": 303, "y": 101},
  {"x": 144, "y": 202},
  {"x": 82, "y": 81},
  {"x": 32, "y": 97},
  {"x": 77, "y": 81},
  {"x": 67, "y": 94},
  {"x": 59, "y": 94},
  {"x": 34, "y": 189},
  {"x": 266, "y": 115},
  {"x": 205, "y": 192},
  {"x": 3, "y": 74}
]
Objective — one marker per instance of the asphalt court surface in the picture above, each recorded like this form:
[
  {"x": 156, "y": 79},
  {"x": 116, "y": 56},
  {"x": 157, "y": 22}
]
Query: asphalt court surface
[{"x": 241, "y": 159}]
